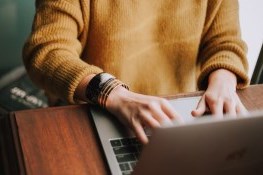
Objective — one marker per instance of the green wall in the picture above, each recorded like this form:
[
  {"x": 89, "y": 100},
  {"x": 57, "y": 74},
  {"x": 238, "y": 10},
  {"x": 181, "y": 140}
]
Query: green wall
[{"x": 16, "y": 18}]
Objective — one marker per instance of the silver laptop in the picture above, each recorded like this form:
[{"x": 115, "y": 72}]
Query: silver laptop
[{"x": 200, "y": 146}]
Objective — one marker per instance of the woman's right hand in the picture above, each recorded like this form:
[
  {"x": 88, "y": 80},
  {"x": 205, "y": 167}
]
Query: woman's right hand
[
  {"x": 138, "y": 111},
  {"x": 135, "y": 110}
]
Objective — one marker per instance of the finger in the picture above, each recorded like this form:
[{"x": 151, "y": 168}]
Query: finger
[
  {"x": 230, "y": 108},
  {"x": 215, "y": 106},
  {"x": 170, "y": 112},
  {"x": 161, "y": 117},
  {"x": 140, "y": 133},
  {"x": 149, "y": 120},
  {"x": 241, "y": 109},
  {"x": 201, "y": 108}
]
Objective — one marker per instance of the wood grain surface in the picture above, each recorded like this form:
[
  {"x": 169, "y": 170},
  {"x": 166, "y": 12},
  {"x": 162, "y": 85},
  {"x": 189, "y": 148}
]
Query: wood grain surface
[{"x": 62, "y": 140}]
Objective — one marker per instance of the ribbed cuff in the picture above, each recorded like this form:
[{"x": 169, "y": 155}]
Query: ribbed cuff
[
  {"x": 224, "y": 62},
  {"x": 65, "y": 75}
]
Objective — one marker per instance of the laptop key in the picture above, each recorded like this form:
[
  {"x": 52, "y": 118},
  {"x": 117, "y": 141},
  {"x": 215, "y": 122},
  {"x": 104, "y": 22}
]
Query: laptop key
[
  {"x": 127, "y": 152},
  {"x": 135, "y": 141},
  {"x": 126, "y": 173},
  {"x": 132, "y": 164},
  {"x": 125, "y": 158},
  {"x": 124, "y": 150},
  {"x": 126, "y": 141},
  {"x": 124, "y": 167},
  {"x": 115, "y": 143}
]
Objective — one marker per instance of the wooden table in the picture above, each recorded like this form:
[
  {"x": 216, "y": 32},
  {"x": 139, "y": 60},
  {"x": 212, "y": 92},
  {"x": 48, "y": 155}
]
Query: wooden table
[{"x": 62, "y": 140}]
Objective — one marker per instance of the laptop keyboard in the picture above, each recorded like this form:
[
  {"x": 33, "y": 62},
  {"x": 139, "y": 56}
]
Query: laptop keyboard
[{"x": 127, "y": 151}]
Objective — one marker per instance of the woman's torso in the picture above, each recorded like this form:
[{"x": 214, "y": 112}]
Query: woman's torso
[{"x": 150, "y": 45}]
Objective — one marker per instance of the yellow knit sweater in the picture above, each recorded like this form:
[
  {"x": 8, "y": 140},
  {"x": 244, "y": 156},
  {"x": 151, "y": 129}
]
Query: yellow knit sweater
[{"x": 156, "y": 47}]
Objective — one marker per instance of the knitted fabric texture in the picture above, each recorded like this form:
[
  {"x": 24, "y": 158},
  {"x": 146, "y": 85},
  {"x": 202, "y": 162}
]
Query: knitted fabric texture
[{"x": 155, "y": 47}]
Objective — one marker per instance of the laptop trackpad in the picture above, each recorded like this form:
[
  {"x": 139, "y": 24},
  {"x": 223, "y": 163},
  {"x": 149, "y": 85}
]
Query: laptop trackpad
[{"x": 184, "y": 106}]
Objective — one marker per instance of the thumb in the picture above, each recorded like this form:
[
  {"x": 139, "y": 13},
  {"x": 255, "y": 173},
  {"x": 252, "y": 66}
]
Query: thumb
[{"x": 200, "y": 109}]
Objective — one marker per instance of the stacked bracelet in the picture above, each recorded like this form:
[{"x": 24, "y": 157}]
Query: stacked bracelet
[{"x": 100, "y": 86}]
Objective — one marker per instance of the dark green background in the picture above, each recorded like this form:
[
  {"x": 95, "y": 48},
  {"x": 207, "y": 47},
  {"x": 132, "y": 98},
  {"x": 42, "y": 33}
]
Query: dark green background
[{"x": 16, "y": 18}]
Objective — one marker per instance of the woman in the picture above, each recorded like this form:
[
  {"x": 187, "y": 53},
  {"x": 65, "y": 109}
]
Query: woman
[{"x": 154, "y": 47}]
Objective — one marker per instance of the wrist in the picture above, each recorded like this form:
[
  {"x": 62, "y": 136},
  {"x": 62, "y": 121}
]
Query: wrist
[
  {"x": 100, "y": 87},
  {"x": 223, "y": 76},
  {"x": 116, "y": 97}
]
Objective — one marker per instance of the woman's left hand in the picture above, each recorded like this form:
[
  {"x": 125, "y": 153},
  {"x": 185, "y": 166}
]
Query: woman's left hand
[{"x": 220, "y": 97}]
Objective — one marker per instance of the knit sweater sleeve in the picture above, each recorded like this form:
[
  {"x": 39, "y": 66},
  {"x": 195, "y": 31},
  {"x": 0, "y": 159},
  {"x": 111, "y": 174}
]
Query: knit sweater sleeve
[
  {"x": 221, "y": 44},
  {"x": 52, "y": 52}
]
